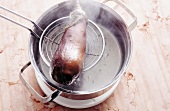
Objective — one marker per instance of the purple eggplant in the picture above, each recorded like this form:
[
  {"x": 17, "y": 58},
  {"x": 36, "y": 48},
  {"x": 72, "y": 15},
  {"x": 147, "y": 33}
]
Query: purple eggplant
[{"x": 67, "y": 62}]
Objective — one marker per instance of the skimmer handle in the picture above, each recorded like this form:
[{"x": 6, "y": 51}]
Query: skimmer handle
[
  {"x": 134, "y": 22},
  {"x": 48, "y": 100},
  {"x": 20, "y": 24}
]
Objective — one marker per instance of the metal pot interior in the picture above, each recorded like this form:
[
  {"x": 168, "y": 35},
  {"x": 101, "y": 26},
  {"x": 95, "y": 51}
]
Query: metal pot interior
[{"x": 115, "y": 58}]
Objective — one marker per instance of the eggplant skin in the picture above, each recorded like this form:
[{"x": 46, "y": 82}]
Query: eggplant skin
[{"x": 67, "y": 62}]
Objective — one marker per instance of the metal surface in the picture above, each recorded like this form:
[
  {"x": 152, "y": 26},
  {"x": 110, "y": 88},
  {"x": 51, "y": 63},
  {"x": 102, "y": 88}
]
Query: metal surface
[
  {"x": 79, "y": 101},
  {"x": 114, "y": 60},
  {"x": 48, "y": 99},
  {"x": 134, "y": 22}
]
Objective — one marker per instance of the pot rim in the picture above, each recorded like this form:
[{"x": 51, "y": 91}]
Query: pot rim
[{"x": 116, "y": 78}]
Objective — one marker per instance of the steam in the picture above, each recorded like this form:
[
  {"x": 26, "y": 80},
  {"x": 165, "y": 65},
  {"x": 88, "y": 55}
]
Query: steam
[
  {"x": 96, "y": 12},
  {"x": 90, "y": 7},
  {"x": 91, "y": 11}
]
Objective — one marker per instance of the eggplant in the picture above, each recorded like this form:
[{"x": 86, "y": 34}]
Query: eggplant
[{"x": 67, "y": 62}]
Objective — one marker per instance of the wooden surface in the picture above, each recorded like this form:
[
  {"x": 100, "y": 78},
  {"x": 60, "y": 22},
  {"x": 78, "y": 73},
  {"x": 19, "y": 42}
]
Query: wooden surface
[{"x": 145, "y": 86}]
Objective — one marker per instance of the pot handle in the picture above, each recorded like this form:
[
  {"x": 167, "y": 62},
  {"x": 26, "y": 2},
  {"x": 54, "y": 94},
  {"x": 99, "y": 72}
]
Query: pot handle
[
  {"x": 48, "y": 100},
  {"x": 134, "y": 23}
]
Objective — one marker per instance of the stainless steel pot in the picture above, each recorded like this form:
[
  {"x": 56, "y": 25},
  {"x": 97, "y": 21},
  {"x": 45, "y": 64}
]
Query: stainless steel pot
[{"x": 102, "y": 77}]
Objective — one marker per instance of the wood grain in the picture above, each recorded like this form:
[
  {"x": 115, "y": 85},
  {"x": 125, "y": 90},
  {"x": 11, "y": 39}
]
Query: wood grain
[{"x": 145, "y": 86}]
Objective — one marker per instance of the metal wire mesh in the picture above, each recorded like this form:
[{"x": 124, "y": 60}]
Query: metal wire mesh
[{"x": 95, "y": 42}]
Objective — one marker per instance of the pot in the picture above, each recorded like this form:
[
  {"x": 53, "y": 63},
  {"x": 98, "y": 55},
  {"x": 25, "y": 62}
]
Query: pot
[{"x": 98, "y": 82}]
